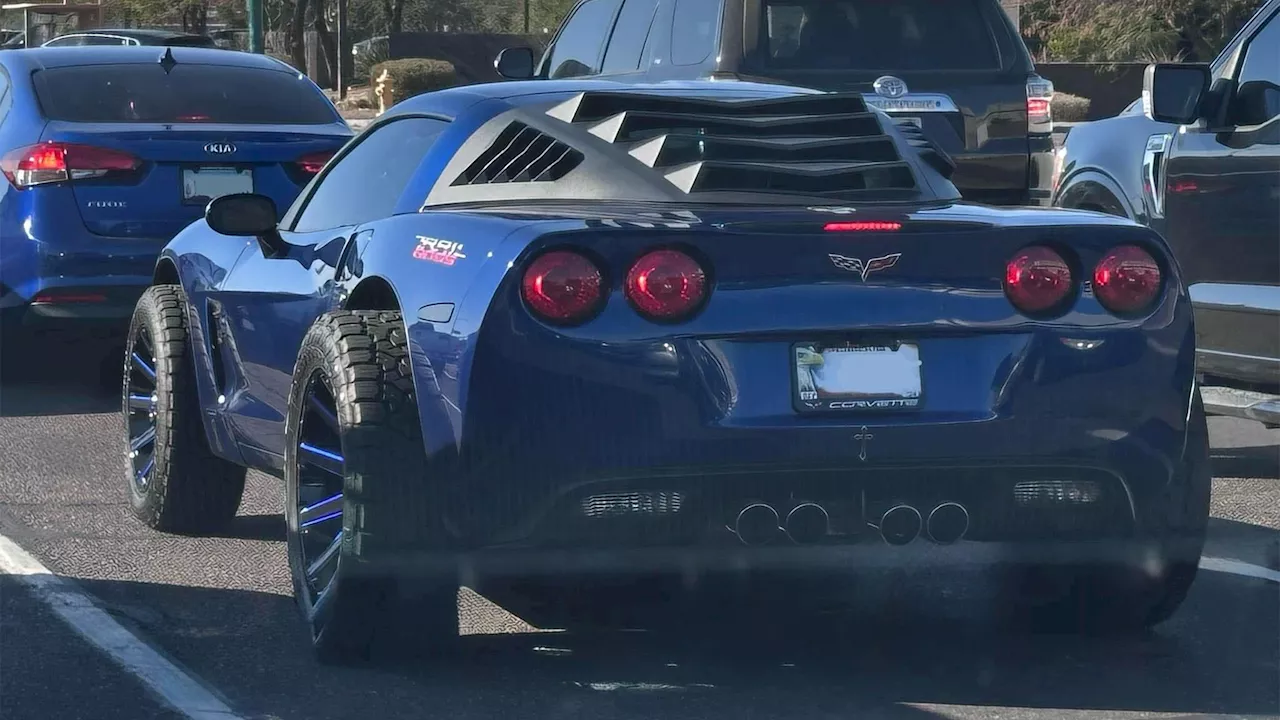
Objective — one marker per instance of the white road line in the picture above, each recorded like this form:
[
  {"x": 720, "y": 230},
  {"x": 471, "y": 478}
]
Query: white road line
[
  {"x": 175, "y": 687},
  {"x": 1235, "y": 567}
]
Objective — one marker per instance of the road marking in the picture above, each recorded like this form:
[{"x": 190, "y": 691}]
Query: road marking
[
  {"x": 175, "y": 687},
  {"x": 1235, "y": 567}
]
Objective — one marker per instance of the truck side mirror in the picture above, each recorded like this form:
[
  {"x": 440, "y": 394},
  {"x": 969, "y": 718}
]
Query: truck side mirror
[
  {"x": 515, "y": 63},
  {"x": 1172, "y": 92}
]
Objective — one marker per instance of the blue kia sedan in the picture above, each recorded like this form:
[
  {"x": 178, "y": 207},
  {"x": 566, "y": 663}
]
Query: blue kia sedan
[{"x": 107, "y": 152}]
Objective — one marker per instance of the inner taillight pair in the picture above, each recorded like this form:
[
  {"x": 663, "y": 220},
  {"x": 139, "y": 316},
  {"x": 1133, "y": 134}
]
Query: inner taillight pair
[
  {"x": 1039, "y": 280},
  {"x": 565, "y": 287}
]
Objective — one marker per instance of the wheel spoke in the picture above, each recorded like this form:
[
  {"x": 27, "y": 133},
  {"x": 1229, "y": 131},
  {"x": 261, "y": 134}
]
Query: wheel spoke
[
  {"x": 328, "y": 509},
  {"x": 324, "y": 412},
  {"x": 142, "y": 365},
  {"x": 139, "y": 402},
  {"x": 330, "y": 555},
  {"x": 327, "y": 460},
  {"x": 147, "y": 437}
]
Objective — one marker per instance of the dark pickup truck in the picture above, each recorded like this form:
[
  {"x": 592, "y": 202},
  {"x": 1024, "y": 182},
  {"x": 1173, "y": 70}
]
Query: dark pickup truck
[
  {"x": 1198, "y": 159},
  {"x": 958, "y": 69}
]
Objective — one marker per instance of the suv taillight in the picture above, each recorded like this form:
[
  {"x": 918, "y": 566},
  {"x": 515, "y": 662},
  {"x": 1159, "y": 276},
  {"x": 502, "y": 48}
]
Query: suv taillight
[
  {"x": 53, "y": 162},
  {"x": 312, "y": 163},
  {"x": 1039, "y": 105}
]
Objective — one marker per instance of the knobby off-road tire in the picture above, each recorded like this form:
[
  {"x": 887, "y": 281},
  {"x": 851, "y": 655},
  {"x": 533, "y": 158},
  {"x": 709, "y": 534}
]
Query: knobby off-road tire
[
  {"x": 186, "y": 489},
  {"x": 360, "y": 362},
  {"x": 1108, "y": 600}
]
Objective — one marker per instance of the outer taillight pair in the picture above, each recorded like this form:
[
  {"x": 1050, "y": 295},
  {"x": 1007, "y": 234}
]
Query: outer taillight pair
[
  {"x": 1039, "y": 281},
  {"x": 565, "y": 287},
  {"x": 51, "y": 162}
]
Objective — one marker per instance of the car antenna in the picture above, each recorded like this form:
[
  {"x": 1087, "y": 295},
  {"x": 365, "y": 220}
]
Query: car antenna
[{"x": 166, "y": 61}]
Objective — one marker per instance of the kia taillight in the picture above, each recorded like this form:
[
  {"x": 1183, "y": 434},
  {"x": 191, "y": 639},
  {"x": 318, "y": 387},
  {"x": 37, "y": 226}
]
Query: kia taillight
[
  {"x": 53, "y": 162},
  {"x": 1038, "y": 280},
  {"x": 1039, "y": 105},
  {"x": 1127, "y": 281},
  {"x": 312, "y": 163},
  {"x": 563, "y": 287},
  {"x": 666, "y": 285}
]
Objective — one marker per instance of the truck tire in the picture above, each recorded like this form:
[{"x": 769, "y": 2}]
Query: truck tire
[
  {"x": 356, "y": 485},
  {"x": 176, "y": 484}
]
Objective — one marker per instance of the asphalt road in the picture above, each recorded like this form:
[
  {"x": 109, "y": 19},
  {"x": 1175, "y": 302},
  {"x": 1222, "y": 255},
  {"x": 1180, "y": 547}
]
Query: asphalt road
[{"x": 931, "y": 647}]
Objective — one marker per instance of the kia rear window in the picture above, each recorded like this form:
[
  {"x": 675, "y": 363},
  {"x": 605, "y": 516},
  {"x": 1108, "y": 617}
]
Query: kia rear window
[
  {"x": 878, "y": 35},
  {"x": 134, "y": 93}
]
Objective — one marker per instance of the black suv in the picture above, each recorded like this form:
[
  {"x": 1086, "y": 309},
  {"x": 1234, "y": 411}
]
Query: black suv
[{"x": 956, "y": 69}]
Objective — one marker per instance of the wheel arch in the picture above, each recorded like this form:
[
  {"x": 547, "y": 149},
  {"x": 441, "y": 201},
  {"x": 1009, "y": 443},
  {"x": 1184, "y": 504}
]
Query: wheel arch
[
  {"x": 166, "y": 272},
  {"x": 373, "y": 293},
  {"x": 1092, "y": 189}
]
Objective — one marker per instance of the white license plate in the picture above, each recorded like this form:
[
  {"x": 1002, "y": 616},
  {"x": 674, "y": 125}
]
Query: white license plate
[
  {"x": 855, "y": 377},
  {"x": 904, "y": 105},
  {"x": 200, "y": 185}
]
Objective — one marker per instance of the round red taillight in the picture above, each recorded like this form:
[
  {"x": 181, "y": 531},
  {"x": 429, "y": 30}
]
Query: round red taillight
[
  {"x": 563, "y": 287},
  {"x": 1037, "y": 280},
  {"x": 666, "y": 285},
  {"x": 1127, "y": 280}
]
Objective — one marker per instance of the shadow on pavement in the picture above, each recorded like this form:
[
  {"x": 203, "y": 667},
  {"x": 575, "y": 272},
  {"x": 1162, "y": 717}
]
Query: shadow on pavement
[
  {"x": 1261, "y": 461},
  {"x": 1218, "y": 656},
  {"x": 62, "y": 374}
]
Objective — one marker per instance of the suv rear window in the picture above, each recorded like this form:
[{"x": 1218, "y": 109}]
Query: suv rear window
[
  {"x": 878, "y": 35},
  {"x": 134, "y": 93}
]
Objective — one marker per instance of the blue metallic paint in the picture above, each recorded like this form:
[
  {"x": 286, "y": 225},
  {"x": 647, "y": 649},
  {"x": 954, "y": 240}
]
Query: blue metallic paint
[{"x": 511, "y": 397}]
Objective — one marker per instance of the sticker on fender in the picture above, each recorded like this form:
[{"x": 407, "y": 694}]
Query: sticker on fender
[{"x": 445, "y": 252}]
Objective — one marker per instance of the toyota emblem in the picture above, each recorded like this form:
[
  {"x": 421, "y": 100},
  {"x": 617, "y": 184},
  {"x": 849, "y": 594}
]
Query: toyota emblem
[
  {"x": 890, "y": 87},
  {"x": 220, "y": 148}
]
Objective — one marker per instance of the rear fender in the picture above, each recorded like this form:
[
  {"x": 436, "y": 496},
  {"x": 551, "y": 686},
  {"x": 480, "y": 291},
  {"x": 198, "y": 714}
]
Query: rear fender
[{"x": 1094, "y": 188}]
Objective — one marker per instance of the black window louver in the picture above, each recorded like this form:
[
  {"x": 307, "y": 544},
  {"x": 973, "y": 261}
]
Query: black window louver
[
  {"x": 521, "y": 154},
  {"x": 933, "y": 155},
  {"x": 828, "y": 144}
]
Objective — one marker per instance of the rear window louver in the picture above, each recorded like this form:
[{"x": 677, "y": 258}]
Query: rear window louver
[
  {"x": 933, "y": 155},
  {"x": 521, "y": 154},
  {"x": 820, "y": 144}
]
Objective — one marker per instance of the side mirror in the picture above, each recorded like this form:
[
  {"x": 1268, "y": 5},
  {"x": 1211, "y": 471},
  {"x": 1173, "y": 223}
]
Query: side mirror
[
  {"x": 247, "y": 215},
  {"x": 1172, "y": 92},
  {"x": 515, "y": 63}
]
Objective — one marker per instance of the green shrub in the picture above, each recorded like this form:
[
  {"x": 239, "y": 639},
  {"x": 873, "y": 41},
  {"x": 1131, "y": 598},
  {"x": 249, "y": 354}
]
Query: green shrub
[
  {"x": 1070, "y": 108},
  {"x": 414, "y": 76}
]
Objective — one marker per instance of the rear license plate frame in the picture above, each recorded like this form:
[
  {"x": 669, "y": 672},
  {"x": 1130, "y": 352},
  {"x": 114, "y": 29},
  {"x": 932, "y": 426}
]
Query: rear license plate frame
[
  {"x": 192, "y": 171},
  {"x": 810, "y": 400}
]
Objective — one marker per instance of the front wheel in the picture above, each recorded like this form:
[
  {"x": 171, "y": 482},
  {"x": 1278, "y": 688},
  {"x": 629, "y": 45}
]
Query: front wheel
[{"x": 355, "y": 484}]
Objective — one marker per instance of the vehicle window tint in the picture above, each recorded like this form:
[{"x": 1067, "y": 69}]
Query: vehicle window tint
[
  {"x": 693, "y": 30},
  {"x": 145, "y": 93},
  {"x": 74, "y": 40},
  {"x": 877, "y": 35},
  {"x": 629, "y": 35},
  {"x": 366, "y": 183},
  {"x": 103, "y": 40},
  {"x": 1258, "y": 88},
  {"x": 4, "y": 96},
  {"x": 577, "y": 50},
  {"x": 191, "y": 41}
]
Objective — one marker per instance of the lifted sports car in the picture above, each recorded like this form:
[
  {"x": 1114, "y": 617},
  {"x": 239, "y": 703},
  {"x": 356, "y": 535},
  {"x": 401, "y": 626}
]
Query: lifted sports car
[{"x": 571, "y": 327}]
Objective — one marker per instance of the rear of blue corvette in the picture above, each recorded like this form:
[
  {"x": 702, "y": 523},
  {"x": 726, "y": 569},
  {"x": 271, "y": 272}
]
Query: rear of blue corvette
[
  {"x": 780, "y": 389},
  {"x": 108, "y": 152}
]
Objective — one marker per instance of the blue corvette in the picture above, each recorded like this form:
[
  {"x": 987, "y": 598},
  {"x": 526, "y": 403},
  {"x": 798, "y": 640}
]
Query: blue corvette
[
  {"x": 107, "y": 152},
  {"x": 574, "y": 327}
]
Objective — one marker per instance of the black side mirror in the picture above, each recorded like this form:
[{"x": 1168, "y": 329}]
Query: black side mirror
[
  {"x": 515, "y": 63},
  {"x": 1173, "y": 92},
  {"x": 246, "y": 215}
]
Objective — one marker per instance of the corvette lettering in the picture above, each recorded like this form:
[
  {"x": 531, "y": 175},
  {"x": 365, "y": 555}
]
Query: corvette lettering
[{"x": 445, "y": 252}]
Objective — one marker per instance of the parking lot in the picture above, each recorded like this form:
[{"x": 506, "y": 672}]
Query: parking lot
[{"x": 221, "y": 610}]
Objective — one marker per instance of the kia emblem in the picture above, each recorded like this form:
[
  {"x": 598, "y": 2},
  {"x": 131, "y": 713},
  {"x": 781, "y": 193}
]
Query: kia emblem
[{"x": 220, "y": 148}]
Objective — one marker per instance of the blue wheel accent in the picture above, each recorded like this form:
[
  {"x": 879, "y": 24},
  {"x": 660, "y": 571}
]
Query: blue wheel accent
[
  {"x": 141, "y": 400},
  {"x": 321, "y": 470}
]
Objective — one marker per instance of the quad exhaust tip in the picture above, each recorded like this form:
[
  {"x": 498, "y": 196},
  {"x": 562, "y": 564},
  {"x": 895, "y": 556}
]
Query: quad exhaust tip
[
  {"x": 900, "y": 525},
  {"x": 757, "y": 524},
  {"x": 807, "y": 523},
  {"x": 947, "y": 523}
]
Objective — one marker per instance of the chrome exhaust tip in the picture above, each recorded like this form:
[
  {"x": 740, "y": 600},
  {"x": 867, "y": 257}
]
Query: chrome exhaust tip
[
  {"x": 757, "y": 524},
  {"x": 900, "y": 525},
  {"x": 807, "y": 523},
  {"x": 947, "y": 523}
]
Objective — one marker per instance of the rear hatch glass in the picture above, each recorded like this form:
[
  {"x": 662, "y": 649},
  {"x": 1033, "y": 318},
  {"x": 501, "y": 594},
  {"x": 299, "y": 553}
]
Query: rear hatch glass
[
  {"x": 135, "y": 93},
  {"x": 177, "y": 140},
  {"x": 879, "y": 36}
]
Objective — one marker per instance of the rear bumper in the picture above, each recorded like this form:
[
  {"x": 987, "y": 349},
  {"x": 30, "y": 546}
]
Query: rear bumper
[{"x": 1008, "y": 173}]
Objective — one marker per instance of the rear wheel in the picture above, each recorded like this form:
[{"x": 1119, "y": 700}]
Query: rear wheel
[
  {"x": 176, "y": 483},
  {"x": 1108, "y": 599},
  {"x": 354, "y": 484}
]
